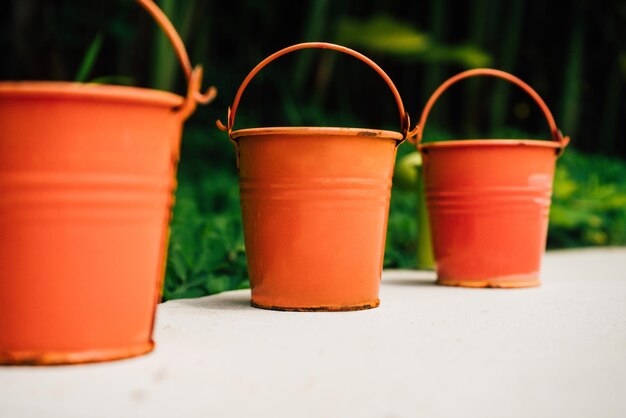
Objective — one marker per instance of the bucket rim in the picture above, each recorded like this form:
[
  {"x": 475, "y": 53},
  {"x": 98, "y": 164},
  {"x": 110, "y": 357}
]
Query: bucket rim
[
  {"x": 315, "y": 130},
  {"x": 459, "y": 143},
  {"x": 76, "y": 90}
]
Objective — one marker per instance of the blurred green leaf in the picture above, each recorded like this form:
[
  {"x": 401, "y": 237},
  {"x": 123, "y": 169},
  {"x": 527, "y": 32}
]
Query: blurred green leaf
[
  {"x": 468, "y": 56},
  {"x": 589, "y": 201},
  {"x": 569, "y": 218},
  {"x": 89, "y": 59},
  {"x": 217, "y": 284},
  {"x": 114, "y": 79},
  {"x": 384, "y": 34}
]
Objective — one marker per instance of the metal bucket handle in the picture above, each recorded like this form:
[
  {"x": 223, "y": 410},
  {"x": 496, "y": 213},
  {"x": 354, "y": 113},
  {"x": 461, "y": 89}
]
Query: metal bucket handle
[
  {"x": 405, "y": 121},
  {"x": 556, "y": 133},
  {"x": 194, "y": 76}
]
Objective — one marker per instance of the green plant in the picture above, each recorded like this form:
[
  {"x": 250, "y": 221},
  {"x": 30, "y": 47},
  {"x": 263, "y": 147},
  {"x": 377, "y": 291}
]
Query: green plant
[
  {"x": 589, "y": 201},
  {"x": 89, "y": 59},
  {"x": 384, "y": 34},
  {"x": 206, "y": 249}
]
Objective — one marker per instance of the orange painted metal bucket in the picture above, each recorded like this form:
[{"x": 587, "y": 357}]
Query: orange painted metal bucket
[
  {"x": 87, "y": 174},
  {"x": 314, "y": 205},
  {"x": 489, "y": 200}
]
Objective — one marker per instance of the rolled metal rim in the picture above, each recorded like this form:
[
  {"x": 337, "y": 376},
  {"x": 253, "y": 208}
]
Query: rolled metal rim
[
  {"x": 73, "y": 90},
  {"x": 474, "y": 143},
  {"x": 318, "y": 131}
]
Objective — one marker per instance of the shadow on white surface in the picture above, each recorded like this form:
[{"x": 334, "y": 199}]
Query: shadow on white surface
[
  {"x": 409, "y": 278},
  {"x": 230, "y": 301}
]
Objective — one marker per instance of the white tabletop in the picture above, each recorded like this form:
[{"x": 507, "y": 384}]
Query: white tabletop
[{"x": 432, "y": 351}]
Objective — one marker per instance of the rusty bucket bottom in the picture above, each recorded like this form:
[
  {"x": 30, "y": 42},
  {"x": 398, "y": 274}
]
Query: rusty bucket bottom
[
  {"x": 58, "y": 358},
  {"x": 321, "y": 308},
  {"x": 509, "y": 282}
]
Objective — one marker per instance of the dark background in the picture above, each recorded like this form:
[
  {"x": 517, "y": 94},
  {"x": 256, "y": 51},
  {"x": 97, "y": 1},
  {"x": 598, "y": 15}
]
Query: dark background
[{"x": 572, "y": 53}]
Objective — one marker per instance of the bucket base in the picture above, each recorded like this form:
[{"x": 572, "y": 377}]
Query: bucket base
[
  {"x": 503, "y": 283},
  {"x": 52, "y": 358},
  {"x": 321, "y": 308}
]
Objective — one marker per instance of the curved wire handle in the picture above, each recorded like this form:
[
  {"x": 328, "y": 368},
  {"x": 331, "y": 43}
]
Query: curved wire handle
[
  {"x": 556, "y": 133},
  {"x": 193, "y": 75},
  {"x": 232, "y": 111}
]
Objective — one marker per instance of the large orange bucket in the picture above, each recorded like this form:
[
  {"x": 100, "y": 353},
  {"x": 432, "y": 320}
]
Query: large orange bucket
[
  {"x": 87, "y": 174},
  {"x": 314, "y": 204},
  {"x": 489, "y": 200}
]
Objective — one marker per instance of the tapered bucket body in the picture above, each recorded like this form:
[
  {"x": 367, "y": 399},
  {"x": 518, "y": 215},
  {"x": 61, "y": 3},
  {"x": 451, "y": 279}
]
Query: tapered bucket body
[
  {"x": 86, "y": 181},
  {"x": 315, "y": 204},
  {"x": 488, "y": 204},
  {"x": 488, "y": 200},
  {"x": 87, "y": 174}
]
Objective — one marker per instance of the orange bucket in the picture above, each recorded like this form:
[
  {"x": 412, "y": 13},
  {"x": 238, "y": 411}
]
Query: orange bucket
[
  {"x": 488, "y": 200},
  {"x": 315, "y": 217},
  {"x": 87, "y": 174}
]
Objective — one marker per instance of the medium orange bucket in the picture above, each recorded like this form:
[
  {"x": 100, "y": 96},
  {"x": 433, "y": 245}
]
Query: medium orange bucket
[
  {"x": 87, "y": 174},
  {"x": 489, "y": 200},
  {"x": 314, "y": 215}
]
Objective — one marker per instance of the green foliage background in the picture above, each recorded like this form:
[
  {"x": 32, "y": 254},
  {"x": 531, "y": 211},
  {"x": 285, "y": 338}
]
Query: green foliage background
[{"x": 574, "y": 56}]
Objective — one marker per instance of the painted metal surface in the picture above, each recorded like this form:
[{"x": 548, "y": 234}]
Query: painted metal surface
[
  {"x": 315, "y": 218},
  {"x": 87, "y": 174},
  {"x": 489, "y": 201},
  {"x": 315, "y": 204}
]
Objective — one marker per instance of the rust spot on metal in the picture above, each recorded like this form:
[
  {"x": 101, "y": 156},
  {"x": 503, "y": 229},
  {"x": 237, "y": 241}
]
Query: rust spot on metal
[
  {"x": 493, "y": 283},
  {"x": 55, "y": 358},
  {"x": 321, "y": 308}
]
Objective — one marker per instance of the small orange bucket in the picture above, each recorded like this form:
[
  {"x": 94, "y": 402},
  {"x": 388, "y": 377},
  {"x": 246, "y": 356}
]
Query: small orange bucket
[
  {"x": 314, "y": 215},
  {"x": 87, "y": 174},
  {"x": 488, "y": 200}
]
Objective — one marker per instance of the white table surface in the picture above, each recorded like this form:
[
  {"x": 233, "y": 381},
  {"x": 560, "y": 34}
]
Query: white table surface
[{"x": 554, "y": 351}]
